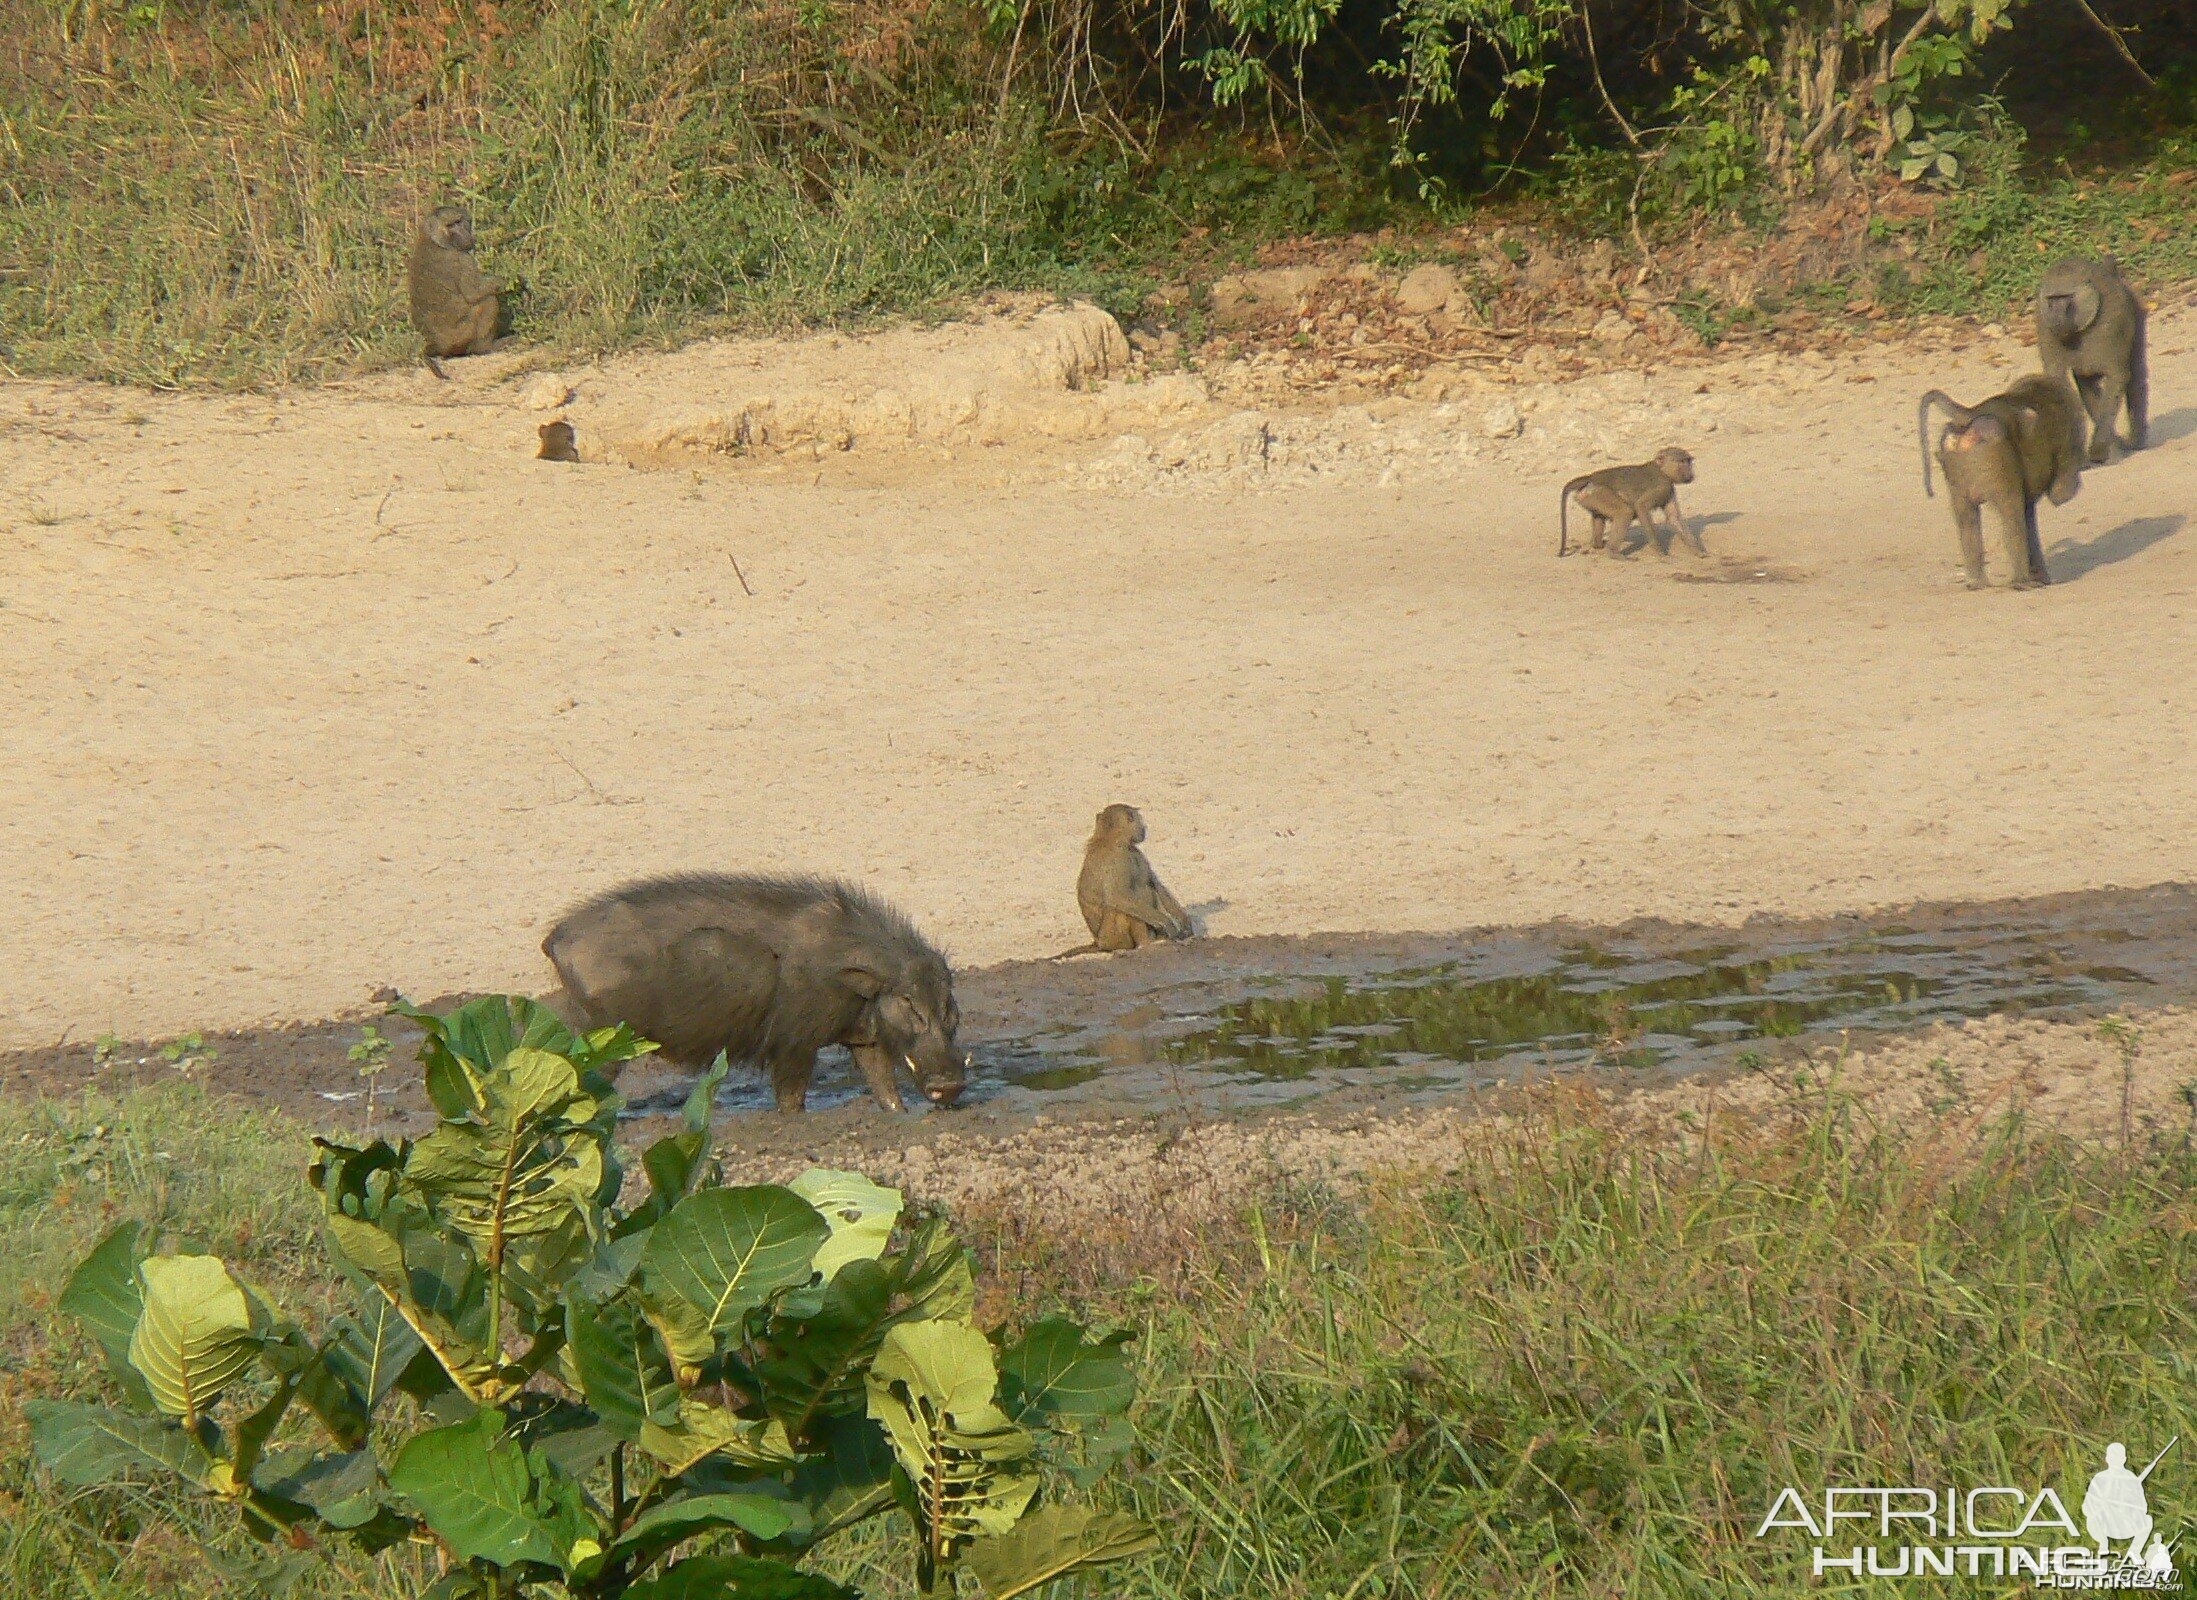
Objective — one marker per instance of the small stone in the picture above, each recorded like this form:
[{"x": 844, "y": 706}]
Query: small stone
[
  {"x": 1426, "y": 289},
  {"x": 1502, "y": 420},
  {"x": 545, "y": 392},
  {"x": 1612, "y": 329}
]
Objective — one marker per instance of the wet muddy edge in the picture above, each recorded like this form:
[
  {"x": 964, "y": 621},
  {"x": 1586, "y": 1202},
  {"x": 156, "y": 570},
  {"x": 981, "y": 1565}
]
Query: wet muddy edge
[{"x": 297, "y": 1068}]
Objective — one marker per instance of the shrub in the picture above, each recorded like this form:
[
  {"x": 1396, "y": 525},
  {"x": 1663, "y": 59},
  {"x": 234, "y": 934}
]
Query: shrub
[{"x": 666, "y": 1400}]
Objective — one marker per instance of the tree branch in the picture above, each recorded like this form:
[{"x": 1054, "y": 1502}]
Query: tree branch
[{"x": 2120, "y": 45}]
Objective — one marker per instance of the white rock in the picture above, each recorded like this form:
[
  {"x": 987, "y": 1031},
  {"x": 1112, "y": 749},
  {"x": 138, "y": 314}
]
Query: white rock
[
  {"x": 1243, "y": 298},
  {"x": 545, "y": 392},
  {"x": 1612, "y": 329},
  {"x": 1426, "y": 289},
  {"x": 1502, "y": 420},
  {"x": 1174, "y": 391}
]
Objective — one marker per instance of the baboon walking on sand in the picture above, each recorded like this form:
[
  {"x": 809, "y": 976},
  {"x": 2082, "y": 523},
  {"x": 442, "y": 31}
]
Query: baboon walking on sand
[
  {"x": 2090, "y": 328},
  {"x": 2003, "y": 454},
  {"x": 1626, "y": 495}
]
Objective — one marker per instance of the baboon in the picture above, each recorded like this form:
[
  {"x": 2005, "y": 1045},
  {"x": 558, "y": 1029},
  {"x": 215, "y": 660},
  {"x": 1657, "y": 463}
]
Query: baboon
[
  {"x": 557, "y": 443},
  {"x": 453, "y": 306},
  {"x": 2090, "y": 327},
  {"x": 2003, "y": 454},
  {"x": 1123, "y": 901},
  {"x": 768, "y": 970},
  {"x": 1626, "y": 495}
]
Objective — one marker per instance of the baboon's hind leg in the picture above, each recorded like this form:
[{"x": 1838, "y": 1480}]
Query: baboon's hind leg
[
  {"x": 2105, "y": 415},
  {"x": 2030, "y": 572},
  {"x": 1968, "y": 523},
  {"x": 2015, "y": 518},
  {"x": 2139, "y": 396}
]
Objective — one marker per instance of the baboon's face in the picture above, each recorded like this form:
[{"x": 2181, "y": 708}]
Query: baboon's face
[
  {"x": 2069, "y": 310},
  {"x": 1122, "y": 822},
  {"x": 451, "y": 227},
  {"x": 1677, "y": 466}
]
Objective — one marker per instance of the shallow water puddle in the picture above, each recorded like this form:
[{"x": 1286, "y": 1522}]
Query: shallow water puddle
[{"x": 1482, "y": 1018}]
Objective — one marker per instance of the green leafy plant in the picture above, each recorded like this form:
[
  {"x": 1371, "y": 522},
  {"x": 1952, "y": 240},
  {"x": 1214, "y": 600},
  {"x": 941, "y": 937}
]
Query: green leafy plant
[
  {"x": 189, "y": 1053},
  {"x": 668, "y": 1400}
]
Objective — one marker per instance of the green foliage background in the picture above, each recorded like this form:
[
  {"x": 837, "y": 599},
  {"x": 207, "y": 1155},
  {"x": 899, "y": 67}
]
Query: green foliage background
[{"x": 219, "y": 191}]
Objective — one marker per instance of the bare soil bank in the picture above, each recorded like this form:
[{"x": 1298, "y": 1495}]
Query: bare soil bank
[{"x": 321, "y": 692}]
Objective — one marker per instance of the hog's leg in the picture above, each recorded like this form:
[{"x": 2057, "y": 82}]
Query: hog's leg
[{"x": 875, "y": 1063}]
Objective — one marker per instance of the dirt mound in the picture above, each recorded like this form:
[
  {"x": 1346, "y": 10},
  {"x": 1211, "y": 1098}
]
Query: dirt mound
[{"x": 1026, "y": 372}]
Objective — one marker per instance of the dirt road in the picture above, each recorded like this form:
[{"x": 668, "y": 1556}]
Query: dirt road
[{"x": 311, "y": 694}]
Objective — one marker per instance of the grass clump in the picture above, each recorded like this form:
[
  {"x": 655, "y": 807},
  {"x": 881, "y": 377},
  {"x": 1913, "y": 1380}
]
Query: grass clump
[{"x": 1586, "y": 1365}]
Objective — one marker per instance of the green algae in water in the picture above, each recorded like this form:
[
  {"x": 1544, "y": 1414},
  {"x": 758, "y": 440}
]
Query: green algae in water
[{"x": 1585, "y": 1009}]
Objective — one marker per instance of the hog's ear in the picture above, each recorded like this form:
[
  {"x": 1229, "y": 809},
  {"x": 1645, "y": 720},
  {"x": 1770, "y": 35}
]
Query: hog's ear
[{"x": 863, "y": 981}]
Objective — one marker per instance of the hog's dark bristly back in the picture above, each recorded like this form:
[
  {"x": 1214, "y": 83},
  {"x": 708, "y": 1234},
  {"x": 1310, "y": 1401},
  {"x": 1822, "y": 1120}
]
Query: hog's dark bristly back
[{"x": 761, "y": 897}]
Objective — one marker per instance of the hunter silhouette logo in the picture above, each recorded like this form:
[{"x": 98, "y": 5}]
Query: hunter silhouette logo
[
  {"x": 2116, "y": 1512},
  {"x": 1994, "y": 1531}
]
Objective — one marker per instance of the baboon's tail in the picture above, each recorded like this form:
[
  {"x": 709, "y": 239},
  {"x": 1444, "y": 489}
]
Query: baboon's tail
[
  {"x": 435, "y": 367},
  {"x": 1090, "y": 949},
  {"x": 1563, "y": 514},
  {"x": 1961, "y": 416}
]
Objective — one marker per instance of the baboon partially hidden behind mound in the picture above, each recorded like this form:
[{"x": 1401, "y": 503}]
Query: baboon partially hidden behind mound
[
  {"x": 1123, "y": 901},
  {"x": 2003, "y": 454},
  {"x": 453, "y": 306}
]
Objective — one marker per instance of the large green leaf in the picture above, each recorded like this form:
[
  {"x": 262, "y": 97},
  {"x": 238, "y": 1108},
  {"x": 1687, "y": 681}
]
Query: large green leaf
[
  {"x": 715, "y": 1577},
  {"x": 344, "y": 1490},
  {"x": 846, "y": 1480},
  {"x": 726, "y": 1251},
  {"x": 622, "y": 1366},
  {"x": 524, "y": 1159},
  {"x": 1052, "y": 1374},
  {"x": 1053, "y": 1542},
  {"x": 703, "y": 1431},
  {"x": 820, "y": 1340},
  {"x": 431, "y": 1279},
  {"x": 368, "y": 1351},
  {"x": 933, "y": 1388},
  {"x": 487, "y": 1498},
  {"x": 196, "y": 1334},
  {"x": 861, "y": 1214},
  {"x": 88, "y": 1445},
  {"x": 570, "y": 1437},
  {"x": 760, "y": 1515},
  {"x": 103, "y": 1294},
  {"x": 465, "y": 1045}
]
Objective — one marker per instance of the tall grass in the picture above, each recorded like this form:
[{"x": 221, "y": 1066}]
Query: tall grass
[
  {"x": 221, "y": 194},
  {"x": 1579, "y": 1365}
]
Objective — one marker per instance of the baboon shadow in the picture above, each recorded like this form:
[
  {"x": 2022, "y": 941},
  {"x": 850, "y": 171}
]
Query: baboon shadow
[
  {"x": 2179, "y": 423},
  {"x": 1663, "y": 539},
  {"x": 2068, "y": 560},
  {"x": 1202, "y": 910}
]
